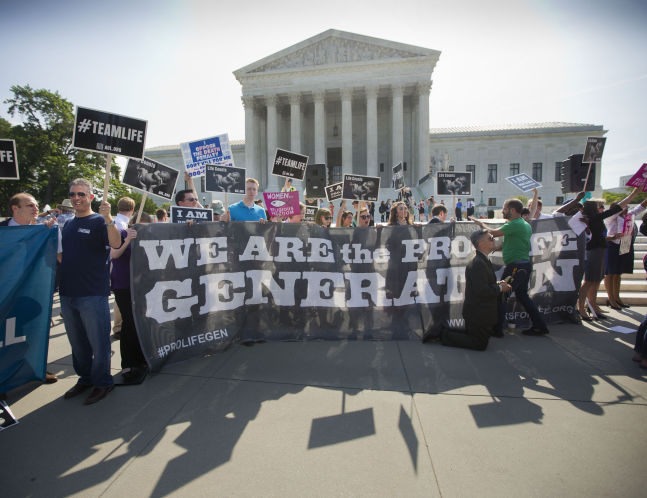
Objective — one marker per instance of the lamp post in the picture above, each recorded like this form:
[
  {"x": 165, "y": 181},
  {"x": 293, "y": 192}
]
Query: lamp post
[{"x": 482, "y": 208}]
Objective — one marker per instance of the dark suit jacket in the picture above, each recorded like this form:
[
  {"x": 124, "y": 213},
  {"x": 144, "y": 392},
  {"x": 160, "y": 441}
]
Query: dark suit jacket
[
  {"x": 481, "y": 291},
  {"x": 435, "y": 220}
]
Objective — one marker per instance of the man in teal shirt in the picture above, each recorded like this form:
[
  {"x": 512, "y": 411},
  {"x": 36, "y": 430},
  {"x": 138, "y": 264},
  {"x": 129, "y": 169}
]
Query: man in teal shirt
[{"x": 516, "y": 257}]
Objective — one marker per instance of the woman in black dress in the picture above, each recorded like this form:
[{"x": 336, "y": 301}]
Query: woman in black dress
[{"x": 596, "y": 249}]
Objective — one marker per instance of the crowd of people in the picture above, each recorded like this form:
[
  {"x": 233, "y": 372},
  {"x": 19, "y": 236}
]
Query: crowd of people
[{"x": 94, "y": 255}]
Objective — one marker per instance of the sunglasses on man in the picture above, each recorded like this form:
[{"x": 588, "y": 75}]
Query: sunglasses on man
[{"x": 79, "y": 194}]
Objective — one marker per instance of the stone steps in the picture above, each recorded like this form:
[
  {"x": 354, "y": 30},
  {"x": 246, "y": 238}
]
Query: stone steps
[
  {"x": 627, "y": 285},
  {"x": 633, "y": 286}
]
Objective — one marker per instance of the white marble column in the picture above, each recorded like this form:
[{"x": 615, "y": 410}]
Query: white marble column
[
  {"x": 320, "y": 128},
  {"x": 347, "y": 130},
  {"x": 422, "y": 167},
  {"x": 371, "y": 131},
  {"x": 295, "y": 122},
  {"x": 398, "y": 125},
  {"x": 251, "y": 159},
  {"x": 271, "y": 102}
]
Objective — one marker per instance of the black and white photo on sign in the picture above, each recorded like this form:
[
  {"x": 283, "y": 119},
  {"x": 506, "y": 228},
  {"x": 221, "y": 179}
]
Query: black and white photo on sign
[
  {"x": 454, "y": 183},
  {"x": 334, "y": 191},
  {"x": 224, "y": 179},
  {"x": 107, "y": 133},
  {"x": 181, "y": 214},
  {"x": 398, "y": 176},
  {"x": 8, "y": 160},
  {"x": 362, "y": 188},
  {"x": 594, "y": 149},
  {"x": 152, "y": 177},
  {"x": 289, "y": 164}
]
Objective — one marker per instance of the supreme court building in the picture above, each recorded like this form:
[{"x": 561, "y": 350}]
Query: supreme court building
[{"x": 361, "y": 105}]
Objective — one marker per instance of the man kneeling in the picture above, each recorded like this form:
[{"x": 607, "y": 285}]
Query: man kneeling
[{"x": 481, "y": 294}]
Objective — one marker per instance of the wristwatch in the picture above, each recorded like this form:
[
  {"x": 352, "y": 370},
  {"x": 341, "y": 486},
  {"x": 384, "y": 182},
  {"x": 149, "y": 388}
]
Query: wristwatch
[{"x": 111, "y": 223}]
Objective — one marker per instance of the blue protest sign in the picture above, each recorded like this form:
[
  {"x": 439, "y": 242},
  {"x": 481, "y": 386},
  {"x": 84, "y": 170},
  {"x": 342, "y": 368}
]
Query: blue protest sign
[
  {"x": 28, "y": 267},
  {"x": 523, "y": 182},
  {"x": 214, "y": 150}
]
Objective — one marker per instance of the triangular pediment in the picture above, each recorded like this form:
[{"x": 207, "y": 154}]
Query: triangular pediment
[{"x": 332, "y": 48}]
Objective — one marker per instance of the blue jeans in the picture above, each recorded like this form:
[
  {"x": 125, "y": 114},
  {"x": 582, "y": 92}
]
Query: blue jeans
[
  {"x": 87, "y": 322},
  {"x": 520, "y": 288}
]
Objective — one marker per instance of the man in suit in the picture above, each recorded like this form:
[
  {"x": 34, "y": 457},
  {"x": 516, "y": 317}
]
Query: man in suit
[
  {"x": 482, "y": 292},
  {"x": 438, "y": 213}
]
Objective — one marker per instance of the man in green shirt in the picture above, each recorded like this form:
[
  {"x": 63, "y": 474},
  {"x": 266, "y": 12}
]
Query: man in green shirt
[{"x": 516, "y": 257}]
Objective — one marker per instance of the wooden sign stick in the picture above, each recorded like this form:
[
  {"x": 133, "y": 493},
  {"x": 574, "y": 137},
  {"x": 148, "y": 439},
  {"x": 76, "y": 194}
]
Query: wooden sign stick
[
  {"x": 141, "y": 206},
  {"x": 106, "y": 181},
  {"x": 587, "y": 177}
]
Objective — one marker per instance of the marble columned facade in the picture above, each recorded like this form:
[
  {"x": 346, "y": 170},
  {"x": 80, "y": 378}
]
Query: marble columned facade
[
  {"x": 282, "y": 127},
  {"x": 361, "y": 105},
  {"x": 355, "y": 103}
]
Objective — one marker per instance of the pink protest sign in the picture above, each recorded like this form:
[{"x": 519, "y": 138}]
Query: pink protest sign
[
  {"x": 282, "y": 203},
  {"x": 627, "y": 234},
  {"x": 639, "y": 179}
]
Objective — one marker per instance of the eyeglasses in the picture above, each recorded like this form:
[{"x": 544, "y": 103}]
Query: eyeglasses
[
  {"x": 79, "y": 194},
  {"x": 365, "y": 216},
  {"x": 326, "y": 217},
  {"x": 190, "y": 199}
]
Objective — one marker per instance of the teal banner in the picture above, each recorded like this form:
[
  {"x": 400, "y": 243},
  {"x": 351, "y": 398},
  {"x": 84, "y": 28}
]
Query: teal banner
[{"x": 28, "y": 268}]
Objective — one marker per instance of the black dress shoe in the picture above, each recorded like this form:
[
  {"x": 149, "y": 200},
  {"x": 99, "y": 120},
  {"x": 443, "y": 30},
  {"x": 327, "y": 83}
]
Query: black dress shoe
[
  {"x": 50, "y": 378},
  {"x": 76, "y": 390},
  {"x": 496, "y": 333},
  {"x": 97, "y": 394},
  {"x": 136, "y": 375},
  {"x": 535, "y": 331}
]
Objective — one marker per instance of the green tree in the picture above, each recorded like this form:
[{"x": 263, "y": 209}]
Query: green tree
[
  {"x": 610, "y": 197},
  {"x": 47, "y": 161},
  {"x": 149, "y": 206}
]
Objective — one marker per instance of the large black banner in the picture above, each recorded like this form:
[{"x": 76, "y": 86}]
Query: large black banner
[{"x": 198, "y": 289}]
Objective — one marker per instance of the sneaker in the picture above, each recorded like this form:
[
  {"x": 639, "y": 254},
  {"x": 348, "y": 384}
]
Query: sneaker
[{"x": 535, "y": 331}]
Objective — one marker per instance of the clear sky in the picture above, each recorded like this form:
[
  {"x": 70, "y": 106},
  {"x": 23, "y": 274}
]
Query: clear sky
[{"x": 502, "y": 61}]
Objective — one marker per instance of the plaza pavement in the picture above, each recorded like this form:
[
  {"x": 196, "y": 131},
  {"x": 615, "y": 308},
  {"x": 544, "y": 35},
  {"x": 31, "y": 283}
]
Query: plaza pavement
[{"x": 560, "y": 415}]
